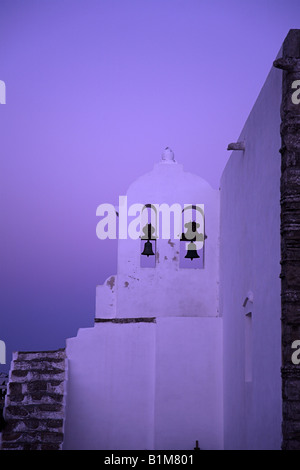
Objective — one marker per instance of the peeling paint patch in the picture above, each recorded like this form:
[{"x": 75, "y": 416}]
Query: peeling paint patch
[
  {"x": 166, "y": 258},
  {"x": 126, "y": 284},
  {"x": 111, "y": 282},
  {"x": 157, "y": 257},
  {"x": 174, "y": 258},
  {"x": 172, "y": 244}
]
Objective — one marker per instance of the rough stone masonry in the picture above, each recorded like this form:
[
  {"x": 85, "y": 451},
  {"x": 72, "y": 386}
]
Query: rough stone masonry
[
  {"x": 35, "y": 401},
  {"x": 290, "y": 239}
]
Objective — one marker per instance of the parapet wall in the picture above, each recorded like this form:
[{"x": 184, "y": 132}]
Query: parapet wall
[{"x": 249, "y": 278}]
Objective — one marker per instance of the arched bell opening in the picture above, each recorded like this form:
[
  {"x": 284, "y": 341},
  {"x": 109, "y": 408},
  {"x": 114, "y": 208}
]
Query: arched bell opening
[
  {"x": 192, "y": 237},
  {"x": 149, "y": 228}
]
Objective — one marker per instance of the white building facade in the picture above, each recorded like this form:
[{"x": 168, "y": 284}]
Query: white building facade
[
  {"x": 185, "y": 352},
  {"x": 192, "y": 337}
]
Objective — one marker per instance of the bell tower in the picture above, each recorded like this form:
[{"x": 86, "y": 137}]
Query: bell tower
[
  {"x": 171, "y": 269},
  {"x": 148, "y": 375}
]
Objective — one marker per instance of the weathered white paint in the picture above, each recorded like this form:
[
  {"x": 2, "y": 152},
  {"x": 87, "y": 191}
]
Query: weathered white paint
[
  {"x": 106, "y": 299},
  {"x": 146, "y": 385},
  {"x": 250, "y": 261}
]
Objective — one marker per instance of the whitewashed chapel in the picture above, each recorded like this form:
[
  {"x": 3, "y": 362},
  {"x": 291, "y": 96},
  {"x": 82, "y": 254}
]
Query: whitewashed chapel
[{"x": 192, "y": 337}]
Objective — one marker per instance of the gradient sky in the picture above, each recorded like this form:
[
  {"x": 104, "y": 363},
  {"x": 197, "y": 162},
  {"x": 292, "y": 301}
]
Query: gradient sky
[{"x": 96, "y": 89}]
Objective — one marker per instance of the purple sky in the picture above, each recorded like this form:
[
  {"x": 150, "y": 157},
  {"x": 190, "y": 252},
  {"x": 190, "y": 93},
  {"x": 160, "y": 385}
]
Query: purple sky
[{"x": 96, "y": 89}]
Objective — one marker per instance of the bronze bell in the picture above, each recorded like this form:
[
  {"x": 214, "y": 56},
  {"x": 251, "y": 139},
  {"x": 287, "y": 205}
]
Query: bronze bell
[
  {"x": 149, "y": 232},
  {"x": 192, "y": 251},
  {"x": 148, "y": 249},
  {"x": 191, "y": 234}
]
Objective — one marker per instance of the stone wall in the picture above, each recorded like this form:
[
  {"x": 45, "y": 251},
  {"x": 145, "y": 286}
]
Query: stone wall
[
  {"x": 290, "y": 239},
  {"x": 35, "y": 401}
]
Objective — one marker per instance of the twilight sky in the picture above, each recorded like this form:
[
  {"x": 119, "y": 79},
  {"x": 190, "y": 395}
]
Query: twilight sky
[{"x": 96, "y": 89}]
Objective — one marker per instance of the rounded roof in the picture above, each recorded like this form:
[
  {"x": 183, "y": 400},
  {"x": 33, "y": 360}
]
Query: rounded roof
[{"x": 169, "y": 183}]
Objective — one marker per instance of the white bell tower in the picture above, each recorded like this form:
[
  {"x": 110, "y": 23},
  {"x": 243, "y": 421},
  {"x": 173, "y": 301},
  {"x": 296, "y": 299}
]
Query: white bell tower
[
  {"x": 167, "y": 284},
  {"x": 148, "y": 375}
]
